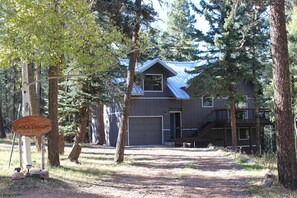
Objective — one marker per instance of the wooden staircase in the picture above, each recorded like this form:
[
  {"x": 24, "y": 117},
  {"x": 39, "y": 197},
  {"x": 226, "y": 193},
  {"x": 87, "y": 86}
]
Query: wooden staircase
[
  {"x": 202, "y": 129},
  {"x": 198, "y": 135},
  {"x": 220, "y": 119}
]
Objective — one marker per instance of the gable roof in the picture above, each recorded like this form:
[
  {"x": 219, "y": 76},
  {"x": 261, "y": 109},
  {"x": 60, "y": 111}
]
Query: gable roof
[
  {"x": 149, "y": 64},
  {"x": 176, "y": 83}
]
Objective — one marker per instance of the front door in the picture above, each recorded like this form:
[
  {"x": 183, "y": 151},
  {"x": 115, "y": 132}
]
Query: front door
[{"x": 175, "y": 125}]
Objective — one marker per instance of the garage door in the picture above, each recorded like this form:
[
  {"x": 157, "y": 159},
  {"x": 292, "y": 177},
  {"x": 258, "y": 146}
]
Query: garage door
[{"x": 145, "y": 131}]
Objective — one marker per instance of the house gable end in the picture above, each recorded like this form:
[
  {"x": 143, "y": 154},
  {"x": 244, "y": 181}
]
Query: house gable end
[{"x": 146, "y": 66}]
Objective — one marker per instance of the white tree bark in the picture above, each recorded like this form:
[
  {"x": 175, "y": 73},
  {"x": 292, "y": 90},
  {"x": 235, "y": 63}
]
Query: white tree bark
[{"x": 26, "y": 111}]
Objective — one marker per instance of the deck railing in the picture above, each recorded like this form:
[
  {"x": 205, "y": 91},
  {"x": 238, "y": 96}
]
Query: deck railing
[
  {"x": 222, "y": 116},
  {"x": 244, "y": 114}
]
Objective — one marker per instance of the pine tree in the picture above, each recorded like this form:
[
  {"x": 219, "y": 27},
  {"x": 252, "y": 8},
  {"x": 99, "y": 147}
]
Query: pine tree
[
  {"x": 256, "y": 38},
  {"x": 227, "y": 51},
  {"x": 78, "y": 93},
  {"x": 287, "y": 164},
  {"x": 178, "y": 41},
  {"x": 120, "y": 146}
]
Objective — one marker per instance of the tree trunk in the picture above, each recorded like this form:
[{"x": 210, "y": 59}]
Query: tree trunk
[
  {"x": 26, "y": 109},
  {"x": 120, "y": 147},
  {"x": 98, "y": 128},
  {"x": 80, "y": 135},
  {"x": 286, "y": 154},
  {"x": 2, "y": 132},
  {"x": 34, "y": 103},
  {"x": 257, "y": 118},
  {"x": 101, "y": 126},
  {"x": 62, "y": 144},
  {"x": 37, "y": 102},
  {"x": 233, "y": 123},
  {"x": 258, "y": 130},
  {"x": 53, "y": 135},
  {"x": 38, "y": 88}
]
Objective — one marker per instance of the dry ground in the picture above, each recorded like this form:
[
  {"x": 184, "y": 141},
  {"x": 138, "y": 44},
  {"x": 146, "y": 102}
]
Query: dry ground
[{"x": 156, "y": 172}]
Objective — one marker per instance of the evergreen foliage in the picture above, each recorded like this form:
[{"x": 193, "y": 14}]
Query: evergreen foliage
[
  {"x": 236, "y": 45},
  {"x": 10, "y": 83},
  {"x": 54, "y": 34},
  {"x": 235, "y": 51},
  {"x": 79, "y": 91},
  {"x": 292, "y": 45},
  {"x": 178, "y": 41}
]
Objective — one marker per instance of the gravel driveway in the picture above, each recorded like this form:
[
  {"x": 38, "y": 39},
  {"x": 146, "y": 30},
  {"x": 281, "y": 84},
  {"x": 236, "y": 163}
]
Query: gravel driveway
[{"x": 157, "y": 172}]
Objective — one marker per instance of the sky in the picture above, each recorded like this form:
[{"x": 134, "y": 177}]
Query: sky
[{"x": 162, "y": 11}]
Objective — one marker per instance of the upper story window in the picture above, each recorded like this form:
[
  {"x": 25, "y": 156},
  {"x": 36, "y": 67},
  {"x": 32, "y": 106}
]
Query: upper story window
[
  {"x": 153, "y": 82},
  {"x": 207, "y": 101}
]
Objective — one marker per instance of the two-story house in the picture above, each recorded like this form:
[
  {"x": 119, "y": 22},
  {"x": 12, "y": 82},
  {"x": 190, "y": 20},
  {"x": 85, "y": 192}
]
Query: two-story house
[{"x": 163, "y": 110}]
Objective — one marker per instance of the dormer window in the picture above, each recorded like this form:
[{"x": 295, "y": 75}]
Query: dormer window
[{"x": 153, "y": 82}]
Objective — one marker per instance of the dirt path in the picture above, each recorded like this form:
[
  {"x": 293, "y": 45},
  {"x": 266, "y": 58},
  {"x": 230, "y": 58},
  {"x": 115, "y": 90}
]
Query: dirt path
[{"x": 167, "y": 172}]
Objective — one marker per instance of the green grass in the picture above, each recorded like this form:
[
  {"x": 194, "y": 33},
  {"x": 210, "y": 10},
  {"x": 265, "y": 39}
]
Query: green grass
[
  {"x": 93, "y": 167},
  {"x": 254, "y": 169},
  {"x": 185, "y": 171}
]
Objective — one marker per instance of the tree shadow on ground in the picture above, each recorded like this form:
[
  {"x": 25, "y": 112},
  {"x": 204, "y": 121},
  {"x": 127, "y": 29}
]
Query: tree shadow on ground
[
  {"x": 180, "y": 186},
  {"x": 35, "y": 187}
]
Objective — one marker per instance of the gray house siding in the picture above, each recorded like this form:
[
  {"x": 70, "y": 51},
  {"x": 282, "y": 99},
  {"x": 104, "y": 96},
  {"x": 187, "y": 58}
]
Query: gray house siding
[
  {"x": 156, "y": 117},
  {"x": 157, "y": 69},
  {"x": 112, "y": 115},
  {"x": 144, "y": 107}
]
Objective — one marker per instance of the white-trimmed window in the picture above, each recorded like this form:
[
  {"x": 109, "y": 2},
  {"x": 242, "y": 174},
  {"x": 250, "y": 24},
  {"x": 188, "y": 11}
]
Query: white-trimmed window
[
  {"x": 207, "y": 101},
  {"x": 243, "y": 134},
  {"x": 153, "y": 82}
]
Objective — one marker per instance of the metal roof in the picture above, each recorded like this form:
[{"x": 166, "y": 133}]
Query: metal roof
[
  {"x": 142, "y": 68},
  {"x": 137, "y": 90},
  {"x": 176, "y": 83},
  {"x": 178, "y": 92}
]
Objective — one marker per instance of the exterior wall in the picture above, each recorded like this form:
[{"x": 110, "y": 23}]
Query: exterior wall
[
  {"x": 194, "y": 113},
  {"x": 157, "y": 69},
  {"x": 161, "y": 104},
  {"x": 112, "y": 115},
  {"x": 245, "y": 88},
  {"x": 156, "y": 107},
  {"x": 217, "y": 138}
]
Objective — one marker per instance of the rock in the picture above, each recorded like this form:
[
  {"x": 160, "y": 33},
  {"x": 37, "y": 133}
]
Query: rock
[
  {"x": 44, "y": 174},
  {"x": 34, "y": 173},
  {"x": 210, "y": 146},
  {"x": 17, "y": 176},
  {"x": 268, "y": 180}
]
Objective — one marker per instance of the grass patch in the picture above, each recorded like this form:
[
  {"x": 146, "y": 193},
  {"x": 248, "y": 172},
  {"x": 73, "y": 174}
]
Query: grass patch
[
  {"x": 186, "y": 171},
  {"x": 254, "y": 168},
  {"x": 93, "y": 167}
]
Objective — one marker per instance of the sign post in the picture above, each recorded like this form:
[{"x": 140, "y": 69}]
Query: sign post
[{"x": 30, "y": 126}]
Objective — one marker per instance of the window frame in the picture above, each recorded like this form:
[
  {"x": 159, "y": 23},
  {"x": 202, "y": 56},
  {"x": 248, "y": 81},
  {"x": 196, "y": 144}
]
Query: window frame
[
  {"x": 246, "y": 130},
  {"x": 162, "y": 82},
  {"x": 212, "y": 101}
]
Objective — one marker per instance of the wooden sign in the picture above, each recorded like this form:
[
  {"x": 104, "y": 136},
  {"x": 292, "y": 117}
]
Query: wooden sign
[{"x": 33, "y": 125}]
